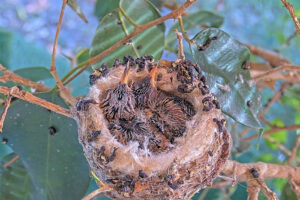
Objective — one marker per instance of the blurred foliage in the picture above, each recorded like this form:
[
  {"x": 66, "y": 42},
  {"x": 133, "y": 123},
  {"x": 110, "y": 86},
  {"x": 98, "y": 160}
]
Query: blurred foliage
[{"x": 56, "y": 163}]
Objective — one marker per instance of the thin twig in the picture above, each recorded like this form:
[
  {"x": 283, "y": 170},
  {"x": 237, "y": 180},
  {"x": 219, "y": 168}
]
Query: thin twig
[
  {"x": 293, "y": 14},
  {"x": 220, "y": 184},
  {"x": 10, "y": 76},
  {"x": 275, "y": 98},
  {"x": 180, "y": 45},
  {"x": 288, "y": 77},
  {"x": 276, "y": 129},
  {"x": 182, "y": 30},
  {"x": 295, "y": 187},
  {"x": 294, "y": 151},
  {"x": 64, "y": 93},
  {"x": 289, "y": 39},
  {"x": 97, "y": 193},
  {"x": 264, "y": 188},
  {"x": 11, "y": 161},
  {"x": 277, "y": 69},
  {"x": 173, "y": 15},
  {"x": 21, "y": 94},
  {"x": 253, "y": 190},
  {"x": 273, "y": 58},
  {"x": 280, "y": 146},
  {"x": 4, "y": 112}
]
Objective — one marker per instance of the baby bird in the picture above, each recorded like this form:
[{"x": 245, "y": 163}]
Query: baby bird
[
  {"x": 162, "y": 112},
  {"x": 119, "y": 102},
  {"x": 145, "y": 90}
]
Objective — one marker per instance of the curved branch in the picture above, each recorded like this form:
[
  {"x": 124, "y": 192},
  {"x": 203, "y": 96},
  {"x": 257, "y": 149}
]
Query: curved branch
[
  {"x": 64, "y": 93},
  {"x": 138, "y": 29}
]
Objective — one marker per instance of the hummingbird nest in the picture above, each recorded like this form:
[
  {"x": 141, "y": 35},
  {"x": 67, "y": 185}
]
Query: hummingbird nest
[{"x": 152, "y": 130}]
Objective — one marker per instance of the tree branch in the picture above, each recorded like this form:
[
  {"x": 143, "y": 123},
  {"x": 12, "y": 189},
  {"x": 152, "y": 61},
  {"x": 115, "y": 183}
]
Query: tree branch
[
  {"x": 138, "y": 29},
  {"x": 268, "y": 193},
  {"x": 180, "y": 45},
  {"x": 21, "y": 94},
  {"x": 11, "y": 161},
  {"x": 273, "y": 58},
  {"x": 4, "y": 112},
  {"x": 97, "y": 192},
  {"x": 10, "y": 76},
  {"x": 292, "y": 13},
  {"x": 265, "y": 170},
  {"x": 275, "y": 129},
  {"x": 253, "y": 190},
  {"x": 64, "y": 93},
  {"x": 277, "y": 69},
  {"x": 260, "y": 171}
]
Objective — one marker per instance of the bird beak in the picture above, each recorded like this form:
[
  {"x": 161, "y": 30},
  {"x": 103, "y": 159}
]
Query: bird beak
[
  {"x": 124, "y": 78},
  {"x": 152, "y": 75}
]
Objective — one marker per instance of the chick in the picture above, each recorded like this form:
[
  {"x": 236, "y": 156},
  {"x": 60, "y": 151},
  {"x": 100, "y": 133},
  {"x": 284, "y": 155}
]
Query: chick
[
  {"x": 119, "y": 102},
  {"x": 163, "y": 113},
  {"x": 145, "y": 90}
]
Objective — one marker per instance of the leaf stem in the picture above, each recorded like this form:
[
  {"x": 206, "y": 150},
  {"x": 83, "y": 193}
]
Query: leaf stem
[
  {"x": 127, "y": 17},
  {"x": 126, "y": 33},
  {"x": 64, "y": 93},
  {"x": 182, "y": 30}
]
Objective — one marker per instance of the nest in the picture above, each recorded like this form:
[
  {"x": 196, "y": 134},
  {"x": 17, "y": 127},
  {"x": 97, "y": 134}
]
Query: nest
[{"x": 152, "y": 130}]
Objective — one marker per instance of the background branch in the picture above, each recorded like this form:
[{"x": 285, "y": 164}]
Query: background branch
[
  {"x": 253, "y": 190},
  {"x": 273, "y": 58},
  {"x": 64, "y": 93},
  {"x": 10, "y": 76},
  {"x": 4, "y": 112},
  {"x": 265, "y": 170},
  {"x": 292, "y": 13},
  {"x": 21, "y": 94}
]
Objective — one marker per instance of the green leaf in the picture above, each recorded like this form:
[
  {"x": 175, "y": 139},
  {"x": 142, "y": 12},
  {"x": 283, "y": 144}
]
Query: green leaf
[
  {"x": 16, "y": 53},
  {"x": 82, "y": 55},
  {"x": 222, "y": 63},
  {"x": 110, "y": 31},
  {"x": 5, "y": 48},
  {"x": 54, "y": 162},
  {"x": 4, "y": 150},
  {"x": 75, "y": 7},
  {"x": 157, "y": 3},
  {"x": 192, "y": 23},
  {"x": 15, "y": 182},
  {"x": 103, "y": 7},
  {"x": 34, "y": 73}
]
